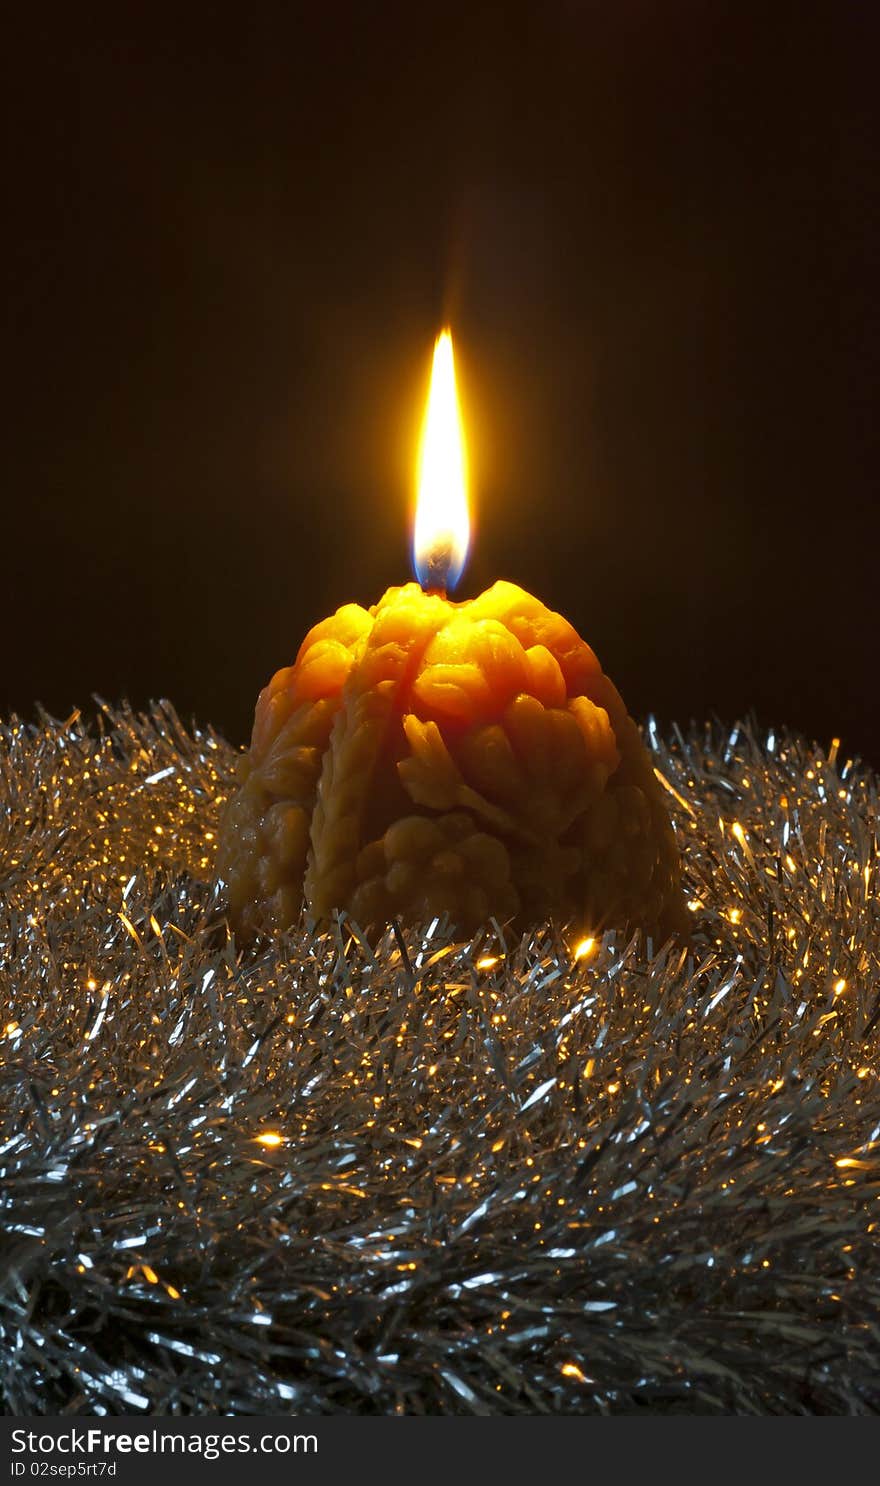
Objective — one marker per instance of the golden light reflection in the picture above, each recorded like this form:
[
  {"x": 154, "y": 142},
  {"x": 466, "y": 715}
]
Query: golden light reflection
[
  {"x": 442, "y": 525},
  {"x": 571, "y": 1370},
  {"x": 585, "y": 948},
  {"x": 271, "y": 1139}
]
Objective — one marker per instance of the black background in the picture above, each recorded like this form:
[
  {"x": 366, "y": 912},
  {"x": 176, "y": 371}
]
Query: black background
[{"x": 231, "y": 240}]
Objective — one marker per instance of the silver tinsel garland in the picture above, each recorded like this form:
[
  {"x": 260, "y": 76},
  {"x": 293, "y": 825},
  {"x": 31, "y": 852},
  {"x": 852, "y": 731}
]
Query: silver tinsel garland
[{"x": 323, "y": 1176}]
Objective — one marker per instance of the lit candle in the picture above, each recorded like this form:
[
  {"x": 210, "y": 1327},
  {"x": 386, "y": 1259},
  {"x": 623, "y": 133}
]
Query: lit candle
[{"x": 426, "y": 757}]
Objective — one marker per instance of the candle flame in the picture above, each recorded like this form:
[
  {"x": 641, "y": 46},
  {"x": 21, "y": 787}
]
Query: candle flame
[{"x": 442, "y": 525}]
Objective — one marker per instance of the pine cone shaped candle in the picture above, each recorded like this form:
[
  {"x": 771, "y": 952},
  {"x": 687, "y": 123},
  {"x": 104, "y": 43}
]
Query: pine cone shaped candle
[{"x": 429, "y": 757}]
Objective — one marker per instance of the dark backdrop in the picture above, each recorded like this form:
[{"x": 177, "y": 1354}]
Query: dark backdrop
[{"x": 230, "y": 243}]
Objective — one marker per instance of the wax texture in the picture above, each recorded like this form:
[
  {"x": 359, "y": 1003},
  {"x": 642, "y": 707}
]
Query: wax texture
[{"x": 426, "y": 758}]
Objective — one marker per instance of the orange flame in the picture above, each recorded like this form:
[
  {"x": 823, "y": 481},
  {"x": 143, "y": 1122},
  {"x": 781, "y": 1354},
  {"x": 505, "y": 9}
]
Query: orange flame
[{"x": 442, "y": 525}]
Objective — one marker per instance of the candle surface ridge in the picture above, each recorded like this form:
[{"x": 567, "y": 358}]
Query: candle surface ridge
[{"x": 427, "y": 757}]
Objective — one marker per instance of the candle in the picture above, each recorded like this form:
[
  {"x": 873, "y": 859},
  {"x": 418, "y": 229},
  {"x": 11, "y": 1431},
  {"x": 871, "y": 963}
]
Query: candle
[{"x": 425, "y": 756}]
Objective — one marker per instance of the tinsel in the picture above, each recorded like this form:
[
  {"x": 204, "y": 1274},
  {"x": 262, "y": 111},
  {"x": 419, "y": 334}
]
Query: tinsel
[{"x": 411, "y": 1176}]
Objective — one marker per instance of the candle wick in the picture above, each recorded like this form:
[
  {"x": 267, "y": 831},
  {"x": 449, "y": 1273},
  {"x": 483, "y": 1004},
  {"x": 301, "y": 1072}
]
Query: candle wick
[{"x": 437, "y": 568}]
